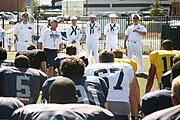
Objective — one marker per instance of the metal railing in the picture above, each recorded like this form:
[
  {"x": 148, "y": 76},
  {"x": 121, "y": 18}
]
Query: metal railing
[{"x": 151, "y": 40}]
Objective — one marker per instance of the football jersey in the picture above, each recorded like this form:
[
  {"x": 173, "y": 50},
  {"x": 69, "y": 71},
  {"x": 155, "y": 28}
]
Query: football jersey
[
  {"x": 118, "y": 76},
  {"x": 6, "y": 63},
  {"x": 62, "y": 112},
  {"x": 156, "y": 100},
  {"x": 22, "y": 83},
  {"x": 35, "y": 57},
  {"x": 129, "y": 61},
  {"x": 163, "y": 61},
  {"x": 90, "y": 90},
  {"x": 7, "y": 106}
]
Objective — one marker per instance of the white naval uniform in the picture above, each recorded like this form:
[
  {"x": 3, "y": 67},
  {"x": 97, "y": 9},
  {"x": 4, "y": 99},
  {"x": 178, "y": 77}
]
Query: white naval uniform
[
  {"x": 74, "y": 33},
  {"x": 134, "y": 44},
  {"x": 24, "y": 33},
  {"x": 118, "y": 76},
  {"x": 111, "y": 32},
  {"x": 93, "y": 33}
]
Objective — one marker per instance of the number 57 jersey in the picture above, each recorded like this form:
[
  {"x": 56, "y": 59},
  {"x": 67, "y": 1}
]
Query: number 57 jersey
[
  {"x": 118, "y": 77},
  {"x": 22, "y": 83}
]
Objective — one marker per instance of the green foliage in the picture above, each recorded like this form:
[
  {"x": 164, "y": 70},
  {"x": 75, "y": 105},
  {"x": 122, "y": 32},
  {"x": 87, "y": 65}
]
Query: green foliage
[
  {"x": 36, "y": 5},
  {"x": 156, "y": 9}
]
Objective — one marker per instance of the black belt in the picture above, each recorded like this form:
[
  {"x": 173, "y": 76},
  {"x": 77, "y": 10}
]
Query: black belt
[{"x": 50, "y": 49}]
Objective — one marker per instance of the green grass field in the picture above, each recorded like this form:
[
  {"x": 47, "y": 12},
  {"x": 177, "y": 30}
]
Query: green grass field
[{"x": 142, "y": 81}]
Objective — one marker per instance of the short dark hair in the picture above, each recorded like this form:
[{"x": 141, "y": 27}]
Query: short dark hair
[
  {"x": 22, "y": 61},
  {"x": 175, "y": 70},
  {"x": 62, "y": 91},
  {"x": 72, "y": 67},
  {"x": 71, "y": 50},
  {"x": 118, "y": 53},
  {"x": 167, "y": 44},
  {"x": 106, "y": 56},
  {"x": 31, "y": 46},
  {"x": 3, "y": 54},
  {"x": 176, "y": 58}
]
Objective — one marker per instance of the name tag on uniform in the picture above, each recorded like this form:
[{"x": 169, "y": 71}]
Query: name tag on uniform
[{"x": 30, "y": 28}]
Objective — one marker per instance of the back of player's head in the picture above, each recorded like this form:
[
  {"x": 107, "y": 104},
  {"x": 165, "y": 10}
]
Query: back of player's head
[
  {"x": 71, "y": 50},
  {"x": 176, "y": 58},
  {"x": 22, "y": 61},
  {"x": 176, "y": 90},
  {"x": 31, "y": 46},
  {"x": 106, "y": 56},
  {"x": 62, "y": 91},
  {"x": 72, "y": 67},
  {"x": 167, "y": 45},
  {"x": 3, "y": 54},
  {"x": 118, "y": 53},
  {"x": 175, "y": 70}
]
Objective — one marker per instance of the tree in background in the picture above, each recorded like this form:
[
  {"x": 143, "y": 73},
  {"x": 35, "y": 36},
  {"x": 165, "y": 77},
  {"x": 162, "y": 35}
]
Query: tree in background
[{"x": 156, "y": 9}]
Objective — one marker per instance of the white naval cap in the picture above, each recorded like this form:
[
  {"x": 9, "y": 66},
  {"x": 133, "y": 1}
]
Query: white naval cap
[
  {"x": 135, "y": 15},
  {"x": 92, "y": 16},
  {"x": 73, "y": 18},
  {"x": 49, "y": 18},
  {"x": 113, "y": 16},
  {"x": 53, "y": 19}
]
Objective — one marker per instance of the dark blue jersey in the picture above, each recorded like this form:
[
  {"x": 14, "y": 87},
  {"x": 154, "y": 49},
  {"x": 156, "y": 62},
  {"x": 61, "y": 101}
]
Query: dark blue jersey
[
  {"x": 58, "y": 60},
  {"x": 7, "y": 106},
  {"x": 62, "y": 112},
  {"x": 90, "y": 90},
  {"x": 22, "y": 83},
  {"x": 166, "y": 80},
  {"x": 156, "y": 100},
  {"x": 35, "y": 56}
]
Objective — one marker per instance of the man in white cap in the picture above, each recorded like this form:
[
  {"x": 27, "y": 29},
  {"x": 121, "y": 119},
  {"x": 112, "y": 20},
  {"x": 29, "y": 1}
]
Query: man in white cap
[
  {"x": 24, "y": 33},
  {"x": 51, "y": 40},
  {"x": 134, "y": 35},
  {"x": 93, "y": 33},
  {"x": 111, "y": 31},
  {"x": 74, "y": 33},
  {"x": 46, "y": 26}
]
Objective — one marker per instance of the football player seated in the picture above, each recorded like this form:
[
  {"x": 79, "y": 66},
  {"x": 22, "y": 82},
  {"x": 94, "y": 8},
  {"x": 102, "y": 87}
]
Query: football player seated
[
  {"x": 167, "y": 75},
  {"x": 70, "y": 51},
  {"x": 161, "y": 62},
  {"x": 90, "y": 89},
  {"x": 21, "y": 81},
  {"x": 63, "y": 106},
  {"x": 172, "y": 113},
  {"x": 7, "y": 106},
  {"x": 120, "y": 78},
  {"x": 159, "y": 99},
  {"x": 36, "y": 56},
  {"x": 3, "y": 58}
]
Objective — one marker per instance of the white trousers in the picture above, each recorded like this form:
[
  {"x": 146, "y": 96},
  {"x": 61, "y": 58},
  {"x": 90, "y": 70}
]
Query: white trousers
[
  {"x": 77, "y": 44},
  {"x": 22, "y": 45},
  {"x": 92, "y": 46},
  {"x": 111, "y": 43},
  {"x": 137, "y": 49}
]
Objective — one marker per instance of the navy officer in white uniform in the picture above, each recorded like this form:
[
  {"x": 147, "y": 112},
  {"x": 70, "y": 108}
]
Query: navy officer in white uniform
[
  {"x": 93, "y": 33},
  {"x": 74, "y": 34},
  {"x": 134, "y": 35},
  {"x": 111, "y": 31}
]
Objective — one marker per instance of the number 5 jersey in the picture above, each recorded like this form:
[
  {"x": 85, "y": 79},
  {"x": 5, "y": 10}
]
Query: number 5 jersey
[
  {"x": 22, "y": 83},
  {"x": 118, "y": 77}
]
